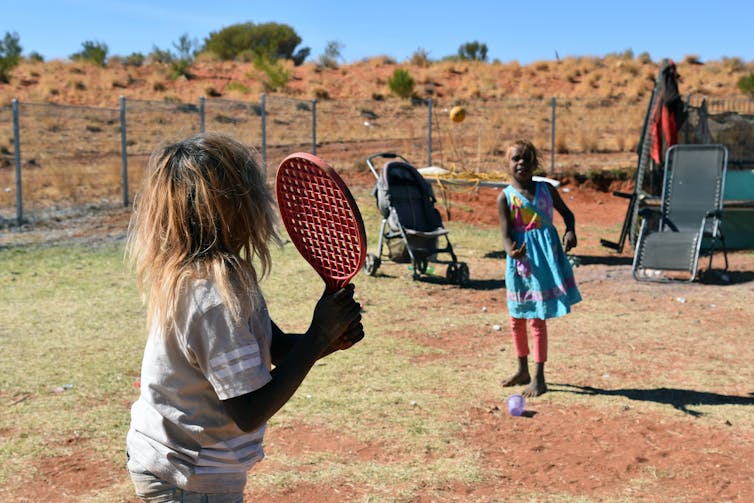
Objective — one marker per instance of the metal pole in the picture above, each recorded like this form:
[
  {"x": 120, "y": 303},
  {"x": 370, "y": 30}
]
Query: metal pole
[
  {"x": 17, "y": 156},
  {"x": 201, "y": 114},
  {"x": 429, "y": 132},
  {"x": 262, "y": 114},
  {"x": 552, "y": 139},
  {"x": 314, "y": 127},
  {"x": 123, "y": 150}
]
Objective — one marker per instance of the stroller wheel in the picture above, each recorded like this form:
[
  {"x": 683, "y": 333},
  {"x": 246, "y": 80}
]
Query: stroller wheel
[
  {"x": 371, "y": 264},
  {"x": 457, "y": 273},
  {"x": 421, "y": 265},
  {"x": 451, "y": 274},
  {"x": 463, "y": 274}
]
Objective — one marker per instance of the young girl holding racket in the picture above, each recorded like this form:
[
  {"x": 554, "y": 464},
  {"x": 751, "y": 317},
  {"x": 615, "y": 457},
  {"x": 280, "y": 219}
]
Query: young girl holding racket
[
  {"x": 199, "y": 240},
  {"x": 538, "y": 279}
]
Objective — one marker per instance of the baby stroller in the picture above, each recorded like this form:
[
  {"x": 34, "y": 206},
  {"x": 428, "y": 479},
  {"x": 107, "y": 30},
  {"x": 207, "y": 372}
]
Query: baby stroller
[{"x": 411, "y": 225}]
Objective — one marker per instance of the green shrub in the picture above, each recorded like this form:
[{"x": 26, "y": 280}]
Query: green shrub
[
  {"x": 473, "y": 51},
  {"x": 270, "y": 41},
  {"x": 93, "y": 52},
  {"x": 237, "y": 86},
  {"x": 277, "y": 75},
  {"x": 180, "y": 68},
  {"x": 161, "y": 55},
  {"x": 134, "y": 59},
  {"x": 420, "y": 58},
  {"x": 401, "y": 83},
  {"x": 10, "y": 54},
  {"x": 746, "y": 84},
  {"x": 35, "y": 57},
  {"x": 332, "y": 54}
]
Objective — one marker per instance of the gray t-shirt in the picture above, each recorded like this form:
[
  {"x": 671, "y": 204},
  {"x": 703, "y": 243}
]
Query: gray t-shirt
[{"x": 180, "y": 430}]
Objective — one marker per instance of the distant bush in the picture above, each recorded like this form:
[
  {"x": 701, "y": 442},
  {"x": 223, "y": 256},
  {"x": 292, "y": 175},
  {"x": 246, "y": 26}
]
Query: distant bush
[
  {"x": 35, "y": 57},
  {"x": 644, "y": 58},
  {"x": 746, "y": 85},
  {"x": 180, "y": 63},
  {"x": 271, "y": 41},
  {"x": 93, "y": 52},
  {"x": 734, "y": 64},
  {"x": 180, "y": 68},
  {"x": 320, "y": 93},
  {"x": 401, "y": 83},
  {"x": 161, "y": 56},
  {"x": 420, "y": 58},
  {"x": 134, "y": 59},
  {"x": 332, "y": 54},
  {"x": 10, "y": 54},
  {"x": 277, "y": 75},
  {"x": 237, "y": 86},
  {"x": 692, "y": 59},
  {"x": 473, "y": 51}
]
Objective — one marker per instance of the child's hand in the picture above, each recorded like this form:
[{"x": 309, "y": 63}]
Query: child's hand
[
  {"x": 569, "y": 240},
  {"x": 517, "y": 253},
  {"x": 337, "y": 316},
  {"x": 350, "y": 337}
]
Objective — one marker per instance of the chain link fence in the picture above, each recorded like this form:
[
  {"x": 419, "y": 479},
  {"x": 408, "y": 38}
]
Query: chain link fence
[{"x": 58, "y": 159}]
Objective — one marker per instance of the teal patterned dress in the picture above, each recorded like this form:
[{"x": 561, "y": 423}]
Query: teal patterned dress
[{"x": 541, "y": 284}]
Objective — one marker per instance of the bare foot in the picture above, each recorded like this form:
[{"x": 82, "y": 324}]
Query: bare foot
[
  {"x": 520, "y": 377},
  {"x": 535, "y": 389}
]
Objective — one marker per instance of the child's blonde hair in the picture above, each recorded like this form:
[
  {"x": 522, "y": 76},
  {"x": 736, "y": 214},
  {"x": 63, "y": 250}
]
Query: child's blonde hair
[
  {"x": 526, "y": 149},
  {"x": 205, "y": 212}
]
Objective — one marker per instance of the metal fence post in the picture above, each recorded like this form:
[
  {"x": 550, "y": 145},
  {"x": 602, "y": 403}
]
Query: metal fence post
[
  {"x": 552, "y": 138},
  {"x": 314, "y": 127},
  {"x": 17, "y": 158},
  {"x": 429, "y": 132},
  {"x": 123, "y": 151},
  {"x": 263, "y": 114},
  {"x": 201, "y": 114}
]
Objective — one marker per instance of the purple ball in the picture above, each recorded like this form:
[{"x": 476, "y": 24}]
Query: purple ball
[{"x": 516, "y": 405}]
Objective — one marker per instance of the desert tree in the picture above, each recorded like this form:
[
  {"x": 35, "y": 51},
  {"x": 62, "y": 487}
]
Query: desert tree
[
  {"x": 473, "y": 51},
  {"x": 332, "y": 54},
  {"x": 94, "y": 52},
  {"x": 10, "y": 54},
  {"x": 250, "y": 42}
]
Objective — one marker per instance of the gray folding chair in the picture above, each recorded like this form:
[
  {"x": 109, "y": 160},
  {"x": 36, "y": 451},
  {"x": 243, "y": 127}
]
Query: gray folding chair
[{"x": 688, "y": 222}]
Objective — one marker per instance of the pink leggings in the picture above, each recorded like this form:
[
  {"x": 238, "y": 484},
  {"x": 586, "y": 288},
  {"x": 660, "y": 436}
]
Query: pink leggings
[{"x": 539, "y": 334}]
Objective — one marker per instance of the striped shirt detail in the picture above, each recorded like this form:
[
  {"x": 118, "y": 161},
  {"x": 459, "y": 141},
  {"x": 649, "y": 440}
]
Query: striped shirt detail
[{"x": 235, "y": 362}]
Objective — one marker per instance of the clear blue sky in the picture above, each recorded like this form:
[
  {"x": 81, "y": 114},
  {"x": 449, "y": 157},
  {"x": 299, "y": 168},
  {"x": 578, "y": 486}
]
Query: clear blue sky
[{"x": 524, "y": 31}]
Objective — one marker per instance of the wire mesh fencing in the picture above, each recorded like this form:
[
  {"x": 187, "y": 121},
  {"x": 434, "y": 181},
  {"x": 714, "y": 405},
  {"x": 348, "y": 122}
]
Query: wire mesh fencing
[{"x": 63, "y": 158}]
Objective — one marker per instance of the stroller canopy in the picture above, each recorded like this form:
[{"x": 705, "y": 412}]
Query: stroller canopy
[{"x": 402, "y": 188}]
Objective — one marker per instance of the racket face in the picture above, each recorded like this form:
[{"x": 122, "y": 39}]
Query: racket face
[{"x": 321, "y": 218}]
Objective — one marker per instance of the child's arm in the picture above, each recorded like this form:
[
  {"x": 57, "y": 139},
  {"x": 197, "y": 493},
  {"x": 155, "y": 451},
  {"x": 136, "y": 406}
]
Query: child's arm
[
  {"x": 569, "y": 237},
  {"x": 335, "y": 316},
  {"x": 283, "y": 342},
  {"x": 505, "y": 227}
]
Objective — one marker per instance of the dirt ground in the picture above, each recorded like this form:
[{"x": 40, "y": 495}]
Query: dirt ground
[
  {"x": 712, "y": 457},
  {"x": 717, "y": 464}
]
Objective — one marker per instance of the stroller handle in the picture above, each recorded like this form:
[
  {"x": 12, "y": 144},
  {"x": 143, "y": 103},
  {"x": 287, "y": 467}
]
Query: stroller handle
[{"x": 385, "y": 155}]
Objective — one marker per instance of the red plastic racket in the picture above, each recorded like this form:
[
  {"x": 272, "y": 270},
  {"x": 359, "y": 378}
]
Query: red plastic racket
[{"x": 321, "y": 218}]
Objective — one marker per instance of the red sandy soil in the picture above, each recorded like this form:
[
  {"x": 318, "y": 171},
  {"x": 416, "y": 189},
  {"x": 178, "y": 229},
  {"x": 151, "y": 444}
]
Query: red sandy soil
[{"x": 589, "y": 453}]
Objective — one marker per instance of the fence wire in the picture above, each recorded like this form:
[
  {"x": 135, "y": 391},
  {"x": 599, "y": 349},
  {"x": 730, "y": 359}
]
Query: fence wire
[{"x": 73, "y": 157}]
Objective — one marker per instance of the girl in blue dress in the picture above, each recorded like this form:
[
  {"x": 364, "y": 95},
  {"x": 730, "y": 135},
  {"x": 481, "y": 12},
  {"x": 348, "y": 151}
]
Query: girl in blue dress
[{"x": 538, "y": 279}]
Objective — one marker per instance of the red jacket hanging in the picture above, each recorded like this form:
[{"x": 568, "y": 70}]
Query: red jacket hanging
[{"x": 668, "y": 113}]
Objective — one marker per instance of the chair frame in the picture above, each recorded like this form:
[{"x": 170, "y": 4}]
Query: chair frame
[{"x": 710, "y": 226}]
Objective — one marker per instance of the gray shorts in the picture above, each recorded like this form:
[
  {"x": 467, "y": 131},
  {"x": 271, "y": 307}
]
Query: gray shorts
[{"x": 152, "y": 489}]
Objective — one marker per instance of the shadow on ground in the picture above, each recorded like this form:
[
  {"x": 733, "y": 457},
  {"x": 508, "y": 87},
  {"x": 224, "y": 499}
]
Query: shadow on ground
[{"x": 680, "y": 399}]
